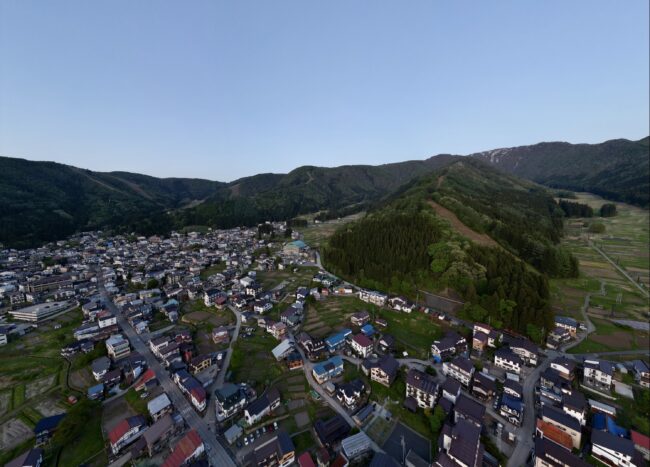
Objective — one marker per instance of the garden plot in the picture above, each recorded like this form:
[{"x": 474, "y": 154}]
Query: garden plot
[
  {"x": 5, "y": 401},
  {"x": 39, "y": 386},
  {"x": 13, "y": 432},
  {"x": 49, "y": 407}
]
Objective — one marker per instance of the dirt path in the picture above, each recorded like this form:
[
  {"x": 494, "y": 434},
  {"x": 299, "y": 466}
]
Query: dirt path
[{"x": 458, "y": 226}]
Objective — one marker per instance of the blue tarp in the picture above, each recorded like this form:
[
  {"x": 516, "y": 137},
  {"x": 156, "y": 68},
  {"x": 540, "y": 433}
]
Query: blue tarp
[
  {"x": 511, "y": 402},
  {"x": 614, "y": 429},
  {"x": 48, "y": 423}
]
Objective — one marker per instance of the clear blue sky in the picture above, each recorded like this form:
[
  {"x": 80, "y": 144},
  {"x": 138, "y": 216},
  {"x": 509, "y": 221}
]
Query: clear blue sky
[{"x": 221, "y": 90}]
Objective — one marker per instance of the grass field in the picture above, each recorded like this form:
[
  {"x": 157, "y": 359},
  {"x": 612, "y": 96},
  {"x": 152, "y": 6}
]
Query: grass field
[
  {"x": 625, "y": 240},
  {"x": 252, "y": 361},
  {"x": 316, "y": 234},
  {"x": 302, "y": 277}
]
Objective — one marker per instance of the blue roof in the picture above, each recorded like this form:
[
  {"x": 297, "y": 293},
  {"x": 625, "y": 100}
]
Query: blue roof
[
  {"x": 321, "y": 369},
  {"x": 48, "y": 423},
  {"x": 367, "y": 329},
  {"x": 511, "y": 402},
  {"x": 566, "y": 320},
  {"x": 96, "y": 389},
  {"x": 299, "y": 244},
  {"x": 337, "y": 338},
  {"x": 598, "y": 421}
]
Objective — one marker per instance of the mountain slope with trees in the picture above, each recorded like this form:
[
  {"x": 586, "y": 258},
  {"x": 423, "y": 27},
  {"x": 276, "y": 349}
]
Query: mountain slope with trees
[{"x": 404, "y": 245}]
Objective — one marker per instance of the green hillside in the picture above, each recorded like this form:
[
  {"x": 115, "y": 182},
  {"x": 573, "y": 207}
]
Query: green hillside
[{"x": 486, "y": 235}]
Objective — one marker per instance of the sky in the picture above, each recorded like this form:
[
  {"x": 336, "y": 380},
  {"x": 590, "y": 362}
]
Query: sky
[{"x": 221, "y": 90}]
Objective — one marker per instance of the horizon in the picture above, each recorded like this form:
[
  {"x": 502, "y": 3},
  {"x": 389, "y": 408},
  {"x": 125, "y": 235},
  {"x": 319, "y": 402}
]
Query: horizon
[
  {"x": 232, "y": 90},
  {"x": 324, "y": 166}
]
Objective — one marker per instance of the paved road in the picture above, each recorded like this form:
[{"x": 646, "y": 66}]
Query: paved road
[
  {"x": 226, "y": 360},
  {"x": 307, "y": 368},
  {"x": 620, "y": 269},
  {"x": 217, "y": 455},
  {"x": 525, "y": 432}
]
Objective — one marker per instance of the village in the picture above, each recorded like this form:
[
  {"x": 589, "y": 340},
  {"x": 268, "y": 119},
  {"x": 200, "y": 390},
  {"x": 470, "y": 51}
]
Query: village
[{"x": 237, "y": 347}]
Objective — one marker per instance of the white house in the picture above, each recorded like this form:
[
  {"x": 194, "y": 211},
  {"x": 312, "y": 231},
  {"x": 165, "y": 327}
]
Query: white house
[{"x": 507, "y": 360}]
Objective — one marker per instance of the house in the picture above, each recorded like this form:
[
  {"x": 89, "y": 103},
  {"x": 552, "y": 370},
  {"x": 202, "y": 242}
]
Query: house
[
  {"x": 210, "y": 296},
  {"x": 361, "y": 345},
  {"x": 557, "y": 337},
  {"x": 100, "y": 367},
  {"x": 95, "y": 392},
  {"x": 564, "y": 367},
  {"x": 292, "y": 316},
  {"x": 550, "y": 454},
  {"x": 512, "y": 409},
  {"x": 421, "y": 387},
  {"x": 460, "y": 368},
  {"x": 117, "y": 347},
  {"x": 46, "y": 427},
  {"x": 525, "y": 349},
  {"x": 262, "y": 406},
  {"x": 294, "y": 361},
  {"x": 126, "y": 432},
  {"x": 262, "y": 306},
  {"x": 370, "y": 296},
  {"x": 190, "y": 447},
  {"x": 470, "y": 410},
  {"x": 479, "y": 341},
  {"x": 159, "y": 406},
  {"x": 283, "y": 349},
  {"x": 147, "y": 379},
  {"x": 483, "y": 386},
  {"x": 356, "y": 445},
  {"x": 31, "y": 458},
  {"x": 200, "y": 362},
  {"x": 386, "y": 343},
  {"x": 401, "y": 304},
  {"x": 547, "y": 430},
  {"x": 328, "y": 369},
  {"x": 641, "y": 373},
  {"x": 349, "y": 394},
  {"x": 564, "y": 422},
  {"x": 192, "y": 388},
  {"x": 570, "y": 324},
  {"x": 508, "y": 360},
  {"x": 612, "y": 449},
  {"x": 156, "y": 437},
  {"x": 332, "y": 430},
  {"x": 385, "y": 370},
  {"x": 450, "y": 390},
  {"x": 641, "y": 444},
  {"x": 337, "y": 341},
  {"x": 461, "y": 445},
  {"x": 575, "y": 405},
  {"x": 598, "y": 374},
  {"x": 448, "y": 346},
  {"x": 220, "y": 335},
  {"x": 229, "y": 400},
  {"x": 278, "y": 330},
  {"x": 367, "y": 330},
  {"x": 552, "y": 380},
  {"x": 277, "y": 451},
  {"x": 360, "y": 318},
  {"x": 513, "y": 389},
  {"x": 382, "y": 323}
]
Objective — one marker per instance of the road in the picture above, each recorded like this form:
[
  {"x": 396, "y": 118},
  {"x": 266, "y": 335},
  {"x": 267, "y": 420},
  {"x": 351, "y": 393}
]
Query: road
[
  {"x": 226, "y": 360},
  {"x": 590, "y": 326},
  {"x": 217, "y": 455},
  {"x": 620, "y": 269},
  {"x": 307, "y": 368},
  {"x": 525, "y": 432}
]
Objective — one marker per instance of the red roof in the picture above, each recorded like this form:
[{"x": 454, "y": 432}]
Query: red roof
[
  {"x": 305, "y": 460},
  {"x": 362, "y": 340},
  {"x": 125, "y": 425},
  {"x": 198, "y": 393},
  {"x": 146, "y": 377},
  {"x": 640, "y": 440},
  {"x": 184, "y": 449}
]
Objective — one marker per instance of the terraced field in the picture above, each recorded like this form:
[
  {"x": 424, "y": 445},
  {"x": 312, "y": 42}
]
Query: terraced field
[{"x": 612, "y": 295}]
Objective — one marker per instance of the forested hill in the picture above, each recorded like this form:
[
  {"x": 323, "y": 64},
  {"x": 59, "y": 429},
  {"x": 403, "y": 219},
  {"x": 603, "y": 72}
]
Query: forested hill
[
  {"x": 618, "y": 169},
  {"x": 490, "y": 237},
  {"x": 44, "y": 201}
]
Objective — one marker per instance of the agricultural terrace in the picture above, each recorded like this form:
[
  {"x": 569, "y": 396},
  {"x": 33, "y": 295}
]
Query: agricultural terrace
[
  {"x": 611, "y": 295},
  {"x": 35, "y": 382}
]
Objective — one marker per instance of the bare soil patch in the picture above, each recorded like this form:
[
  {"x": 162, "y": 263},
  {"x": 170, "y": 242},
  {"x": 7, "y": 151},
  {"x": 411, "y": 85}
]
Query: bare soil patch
[
  {"x": 49, "y": 407},
  {"x": 13, "y": 432},
  {"x": 458, "y": 226},
  {"x": 196, "y": 316},
  {"x": 39, "y": 386},
  {"x": 5, "y": 398},
  {"x": 619, "y": 340}
]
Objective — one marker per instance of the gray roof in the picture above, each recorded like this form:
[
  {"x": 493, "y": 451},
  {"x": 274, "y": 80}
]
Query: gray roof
[
  {"x": 470, "y": 408},
  {"x": 613, "y": 442},
  {"x": 560, "y": 417}
]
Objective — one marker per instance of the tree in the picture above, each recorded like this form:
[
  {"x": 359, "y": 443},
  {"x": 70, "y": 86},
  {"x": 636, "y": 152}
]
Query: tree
[
  {"x": 436, "y": 421},
  {"x": 608, "y": 210},
  {"x": 288, "y": 232},
  {"x": 152, "y": 283},
  {"x": 596, "y": 227}
]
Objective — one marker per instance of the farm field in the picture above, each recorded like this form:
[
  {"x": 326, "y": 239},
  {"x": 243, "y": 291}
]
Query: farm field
[
  {"x": 256, "y": 348},
  {"x": 612, "y": 296},
  {"x": 316, "y": 234},
  {"x": 272, "y": 279}
]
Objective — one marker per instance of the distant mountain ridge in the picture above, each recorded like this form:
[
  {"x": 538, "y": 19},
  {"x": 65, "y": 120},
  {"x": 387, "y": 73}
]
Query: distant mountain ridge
[{"x": 44, "y": 201}]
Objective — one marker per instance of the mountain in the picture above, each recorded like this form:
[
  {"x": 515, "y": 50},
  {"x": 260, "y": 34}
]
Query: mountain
[
  {"x": 44, "y": 201},
  {"x": 618, "y": 169},
  {"x": 467, "y": 228}
]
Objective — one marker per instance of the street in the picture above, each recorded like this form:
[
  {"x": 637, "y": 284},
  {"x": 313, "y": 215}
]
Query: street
[{"x": 217, "y": 455}]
